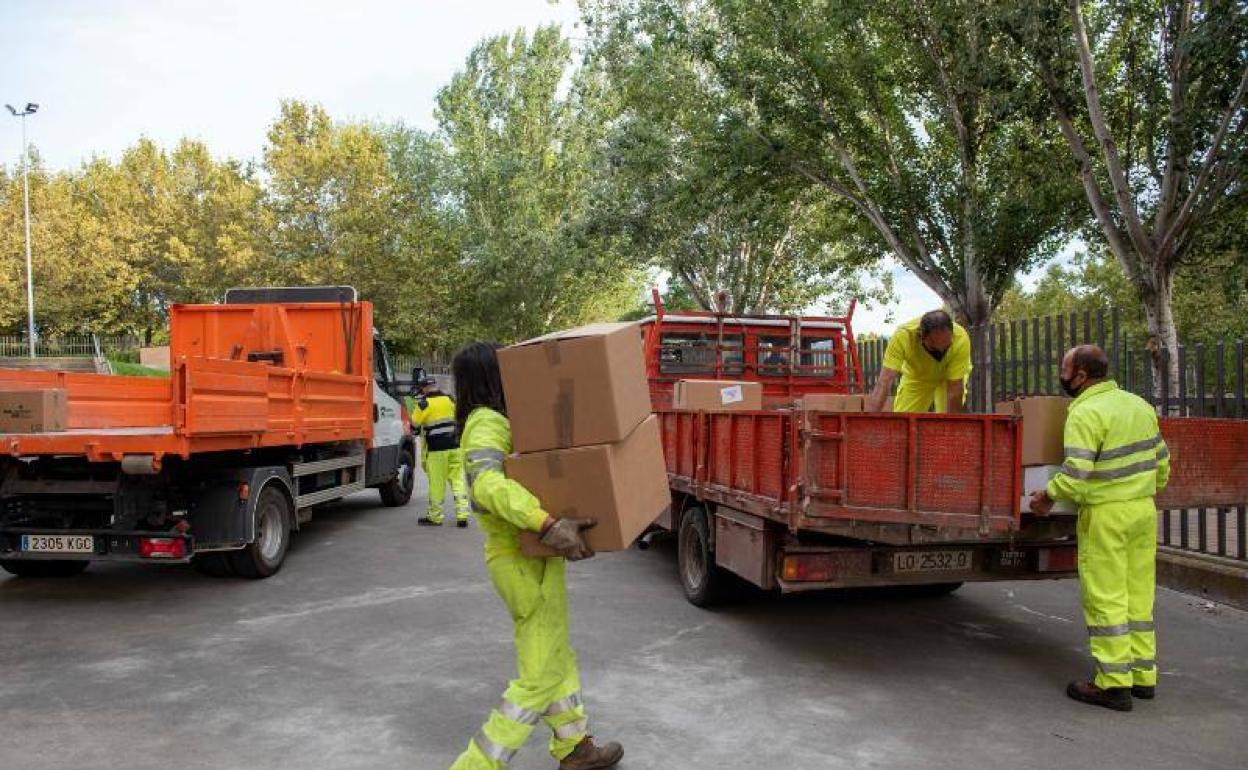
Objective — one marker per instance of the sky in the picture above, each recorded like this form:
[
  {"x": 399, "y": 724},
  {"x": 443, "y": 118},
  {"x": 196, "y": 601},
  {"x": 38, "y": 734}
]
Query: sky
[{"x": 106, "y": 72}]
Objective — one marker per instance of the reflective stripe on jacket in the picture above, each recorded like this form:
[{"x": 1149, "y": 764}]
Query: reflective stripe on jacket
[
  {"x": 1113, "y": 449},
  {"x": 436, "y": 420},
  {"x": 506, "y": 507}
]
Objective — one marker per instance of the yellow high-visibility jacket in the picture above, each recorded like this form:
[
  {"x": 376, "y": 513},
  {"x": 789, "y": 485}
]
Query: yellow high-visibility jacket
[
  {"x": 505, "y": 507},
  {"x": 434, "y": 417},
  {"x": 1113, "y": 449}
]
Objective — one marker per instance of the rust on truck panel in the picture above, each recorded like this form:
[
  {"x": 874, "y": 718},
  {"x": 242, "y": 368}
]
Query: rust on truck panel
[{"x": 312, "y": 386}]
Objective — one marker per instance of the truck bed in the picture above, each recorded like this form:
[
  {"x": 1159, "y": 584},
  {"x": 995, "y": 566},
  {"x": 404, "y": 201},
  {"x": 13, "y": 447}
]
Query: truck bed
[{"x": 303, "y": 392}]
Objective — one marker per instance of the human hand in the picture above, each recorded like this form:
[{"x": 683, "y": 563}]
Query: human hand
[
  {"x": 564, "y": 535},
  {"x": 1041, "y": 503}
]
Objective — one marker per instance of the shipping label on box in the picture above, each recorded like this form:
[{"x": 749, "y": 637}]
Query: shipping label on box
[
  {"x": 717, "y": 396},
  {"x": 1044, "y": 424},
  {"x": 33, "y": 411},
  {"x": 1036, "y": 478},
  {"x": 622, "y": 485},
  {"x": 578, "y": 387}
]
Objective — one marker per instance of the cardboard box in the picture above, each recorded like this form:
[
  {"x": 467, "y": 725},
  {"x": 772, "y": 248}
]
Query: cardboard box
[
  {"x": 575, "y": 388},
  {"x": 155, "y": 358},
  {"x": 832, "y": 402},
  {"x": 33, "y": 411},
  {"x": 622, "y": 485},
  {"x": 717, "y": 396},
  {"x": 1037, "y": 477},
  {"x": 1044, "y": 420}
]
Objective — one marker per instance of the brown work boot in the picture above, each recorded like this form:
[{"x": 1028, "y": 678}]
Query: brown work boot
[
  {"x": 1116, "y": 698},
  {"x": 587, "y": 756}
]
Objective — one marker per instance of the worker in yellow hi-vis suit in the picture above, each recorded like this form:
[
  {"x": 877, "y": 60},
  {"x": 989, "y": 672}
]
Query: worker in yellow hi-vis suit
[
  {"x": 1115, "y": 463},
  {"x": 433, "y": 414},
  {"x": 547, "y": 686},
  {"x": 932, "y": 355}
]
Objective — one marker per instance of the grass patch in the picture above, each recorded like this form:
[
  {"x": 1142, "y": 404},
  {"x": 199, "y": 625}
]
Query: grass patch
[{"x": 135, "y": 370}]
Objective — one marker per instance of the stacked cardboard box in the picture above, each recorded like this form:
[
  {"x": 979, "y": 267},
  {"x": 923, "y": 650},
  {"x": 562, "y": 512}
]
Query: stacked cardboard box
[
  {"x": 587, "y": 445},
  {"x": 717, "y": 396},
  {"x": 1043, "y": 448},
  {"x": 831, "y": 402},
  {"x": 33, "y": 411}
]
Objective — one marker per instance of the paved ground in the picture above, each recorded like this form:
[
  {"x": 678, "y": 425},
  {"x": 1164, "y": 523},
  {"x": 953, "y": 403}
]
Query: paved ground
[{"x": 381, "y": 645}]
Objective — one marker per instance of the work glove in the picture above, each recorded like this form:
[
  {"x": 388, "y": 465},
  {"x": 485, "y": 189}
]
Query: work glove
[{"x": 565, "y": 537}]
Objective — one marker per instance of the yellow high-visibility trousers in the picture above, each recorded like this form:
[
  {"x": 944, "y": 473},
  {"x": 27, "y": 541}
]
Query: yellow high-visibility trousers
[
  {"x": 1117, "y": 584},
  {"x": 548, "y": 686},
  {"x": 443, "y": 467}
]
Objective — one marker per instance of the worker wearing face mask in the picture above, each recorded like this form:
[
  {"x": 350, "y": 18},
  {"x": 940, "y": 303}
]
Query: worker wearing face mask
[{"x": 932, "y": 355}]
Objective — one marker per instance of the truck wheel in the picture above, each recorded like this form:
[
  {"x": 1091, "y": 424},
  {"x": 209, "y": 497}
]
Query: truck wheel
[
  {"x": 704, "y": 582},
  {"x": 214, "y": 564},
  {"x": 398, "y": 490},
  {"x": 43, "y": 569},
  {"x": 263, "y": 557}
]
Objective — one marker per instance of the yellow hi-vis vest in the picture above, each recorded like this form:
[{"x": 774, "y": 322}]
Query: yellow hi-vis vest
[{"x": 1113, "y": 449}]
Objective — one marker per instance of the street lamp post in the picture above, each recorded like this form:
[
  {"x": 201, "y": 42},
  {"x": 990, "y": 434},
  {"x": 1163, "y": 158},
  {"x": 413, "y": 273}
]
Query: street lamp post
[{"x": 30, "y": 109}]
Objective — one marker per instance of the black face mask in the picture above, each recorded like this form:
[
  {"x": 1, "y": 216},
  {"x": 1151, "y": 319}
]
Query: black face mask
[
  {"x": 936, "y": 354},
  {"x": 1068, "y": 385}
]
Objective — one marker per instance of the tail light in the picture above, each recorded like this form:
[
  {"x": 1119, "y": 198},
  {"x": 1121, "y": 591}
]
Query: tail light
[
  {"x": 825, "y": 567},
  {"x": 162, "y": 547}
]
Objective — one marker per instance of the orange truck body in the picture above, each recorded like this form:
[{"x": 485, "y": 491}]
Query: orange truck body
[{"x": 310, "y": 385}]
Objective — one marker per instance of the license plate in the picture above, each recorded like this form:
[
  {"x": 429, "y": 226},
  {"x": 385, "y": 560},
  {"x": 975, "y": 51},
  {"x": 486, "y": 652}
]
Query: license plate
[
  {"x": 931, "y": 561},
  {"x": 58, "y": 543}
]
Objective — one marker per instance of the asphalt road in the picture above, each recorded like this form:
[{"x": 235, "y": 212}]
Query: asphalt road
[{"x": 381, "y": 645}]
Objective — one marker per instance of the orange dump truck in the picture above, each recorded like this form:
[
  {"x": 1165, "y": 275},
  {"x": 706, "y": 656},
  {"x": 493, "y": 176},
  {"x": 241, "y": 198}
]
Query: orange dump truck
[{"x": 278, "y": 400}]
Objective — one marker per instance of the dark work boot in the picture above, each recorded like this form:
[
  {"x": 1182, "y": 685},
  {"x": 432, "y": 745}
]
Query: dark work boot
[
  {"x": 1116, "y": 698},
  {"x": 587, "y": 756},
  {"x": 1144, "y": 691},
  {"x": 425, "y": 521}
]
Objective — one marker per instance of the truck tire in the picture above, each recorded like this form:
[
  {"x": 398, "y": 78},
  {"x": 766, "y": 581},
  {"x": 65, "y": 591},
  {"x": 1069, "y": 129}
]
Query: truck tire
[
  {"x": 213, "y": 564},
  {"x": 396, "y": 492},
  {"x": 263, "y": 557},
  {"x": 704, "y": 582},
  {"x": 42, "y": 569}
]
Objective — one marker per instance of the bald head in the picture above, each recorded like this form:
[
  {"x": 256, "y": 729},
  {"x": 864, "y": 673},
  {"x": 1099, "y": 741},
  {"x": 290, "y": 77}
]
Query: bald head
[{"x": 1082, "y": 367}]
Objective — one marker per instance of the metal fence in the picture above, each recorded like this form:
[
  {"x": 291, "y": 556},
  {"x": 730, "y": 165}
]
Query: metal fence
[
  {"x": 1023, "y": 357},
  {"x": 69, "y": 346}
]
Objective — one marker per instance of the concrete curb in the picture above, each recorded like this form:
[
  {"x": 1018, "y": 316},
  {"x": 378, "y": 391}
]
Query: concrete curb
[{"x": 1211, "y": 577}]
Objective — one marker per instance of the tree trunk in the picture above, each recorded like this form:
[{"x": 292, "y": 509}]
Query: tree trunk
[{"x": 1162, "y": 334}]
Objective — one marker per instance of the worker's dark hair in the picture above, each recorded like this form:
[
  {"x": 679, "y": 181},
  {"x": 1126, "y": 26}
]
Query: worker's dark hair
[
  {"x": 1092, "y": 360},
  {"x": 935, "y": 320},
  {"x": 477, "y": 382}
]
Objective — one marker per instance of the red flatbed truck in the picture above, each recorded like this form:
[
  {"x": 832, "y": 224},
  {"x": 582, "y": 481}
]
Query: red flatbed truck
[{"x": 800, "y": 500}]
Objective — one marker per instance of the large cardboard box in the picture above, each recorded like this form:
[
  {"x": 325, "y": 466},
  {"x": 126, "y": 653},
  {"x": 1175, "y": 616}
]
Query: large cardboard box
[
  {"x": 33, "y": 411},
  {"x": 832, "y": 402},
  {"x": 622, "y": 485},
  {"x": 155, "y": 358},
  {"x": 717, "y": 396},
  {"x": 1037, "y": 477},
  {"x": 575, "y": 388},
  {"x": 1044, "y": 420}
]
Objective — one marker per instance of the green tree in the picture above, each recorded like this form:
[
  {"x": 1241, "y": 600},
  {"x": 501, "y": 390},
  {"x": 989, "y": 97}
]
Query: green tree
[
  {"x": 703, "y": 202},
  {"x": 525, "y": 133},
  {"x": 911, "y": 114},
  {"x": 1150, "y": 98}
]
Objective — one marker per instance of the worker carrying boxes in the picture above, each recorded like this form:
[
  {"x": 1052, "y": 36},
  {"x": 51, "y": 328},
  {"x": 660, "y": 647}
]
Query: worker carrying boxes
[{"x": 586, "y": 443}]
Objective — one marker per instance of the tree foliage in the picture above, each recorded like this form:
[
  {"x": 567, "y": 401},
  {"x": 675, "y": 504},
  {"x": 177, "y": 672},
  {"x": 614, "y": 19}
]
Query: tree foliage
[
  {"x": 911, "y": 114},
  {"x": 1150, "y": 96}
]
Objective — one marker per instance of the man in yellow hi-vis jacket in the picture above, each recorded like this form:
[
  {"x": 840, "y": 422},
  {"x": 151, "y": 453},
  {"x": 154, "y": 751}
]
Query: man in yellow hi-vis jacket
[
  {"x": 433, "y": 414},
  {"x": 1115, "y": 463},
  {"x": 932, "y": 355}
]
